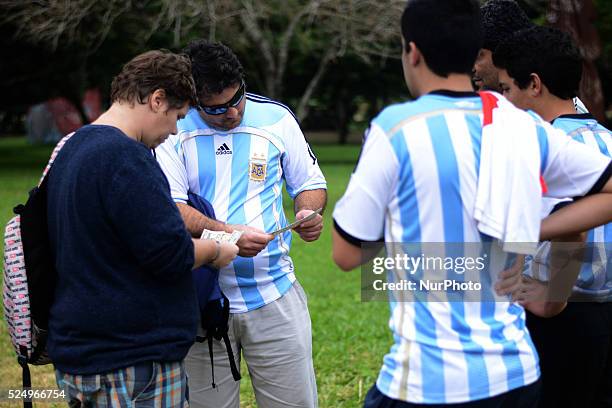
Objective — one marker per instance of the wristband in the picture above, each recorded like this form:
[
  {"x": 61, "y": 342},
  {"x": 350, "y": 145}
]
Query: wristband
[{"x": 217, "y": 253}]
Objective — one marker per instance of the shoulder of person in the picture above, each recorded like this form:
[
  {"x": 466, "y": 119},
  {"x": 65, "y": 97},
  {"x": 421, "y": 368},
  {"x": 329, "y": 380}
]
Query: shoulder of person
[
  {"x": 113, "y": 148},
  {"x": 191, "y": 122},
  {"x": 98, "y": 145},
  {"x": 391, "y": 116},
  {"x": 270, "y": 106}
]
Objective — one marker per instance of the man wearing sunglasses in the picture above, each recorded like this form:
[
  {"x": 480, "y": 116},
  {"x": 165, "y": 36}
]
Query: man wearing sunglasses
[
  {"x": 226, "y": 115},
  {"x": 236, "y": 150}
]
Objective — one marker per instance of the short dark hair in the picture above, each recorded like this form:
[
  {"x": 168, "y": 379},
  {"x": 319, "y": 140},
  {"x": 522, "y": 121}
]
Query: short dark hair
[
  {"x": 545, "y": 51},
  {"x": 500, "y": 19},
  {"x": 446, "y": 32},
  {"x": 215, "y": 67},
  {"x": 153, "y": 70}
]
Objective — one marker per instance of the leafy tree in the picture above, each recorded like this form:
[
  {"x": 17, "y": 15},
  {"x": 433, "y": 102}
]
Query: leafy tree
[{"x": 269, "y": 34}]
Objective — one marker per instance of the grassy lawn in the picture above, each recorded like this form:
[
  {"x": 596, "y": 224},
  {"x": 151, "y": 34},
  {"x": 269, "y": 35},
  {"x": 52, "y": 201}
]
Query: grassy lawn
[{"x": 349, "y": 337}]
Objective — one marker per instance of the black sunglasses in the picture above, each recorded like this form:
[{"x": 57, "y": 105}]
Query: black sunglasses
[{"x": 221, "y": 109}]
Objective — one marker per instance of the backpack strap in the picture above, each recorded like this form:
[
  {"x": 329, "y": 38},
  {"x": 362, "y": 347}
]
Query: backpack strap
[
  {"x": 26, "y": 380},
  {"x": 40, "y": 348},
  {"x": 226, "y": 340},
  {"x": 54, "y": 154},
  {"x": 22, "y": 358},
  {"x": 220, "y": 333},
  {"x": 209, "y": 336},
  {"x": 230, "y": 355}
]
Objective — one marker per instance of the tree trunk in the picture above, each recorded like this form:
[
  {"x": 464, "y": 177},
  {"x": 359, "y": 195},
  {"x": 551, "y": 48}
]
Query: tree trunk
[
  {"x": 342, "y": 115},
  {"x": 577, "y": 18},
  {"x": 302, "y": 108}
]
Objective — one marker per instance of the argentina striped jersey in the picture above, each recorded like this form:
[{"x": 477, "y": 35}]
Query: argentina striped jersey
[
  {"x": 595, "y": 279},
  {"x": 242, "y": 172},
  {"x": 416, "y": 182}
]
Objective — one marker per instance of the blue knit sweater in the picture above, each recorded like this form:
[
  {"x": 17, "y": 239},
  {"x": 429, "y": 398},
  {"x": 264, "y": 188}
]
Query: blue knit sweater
[{"x": 125, "y": 293}]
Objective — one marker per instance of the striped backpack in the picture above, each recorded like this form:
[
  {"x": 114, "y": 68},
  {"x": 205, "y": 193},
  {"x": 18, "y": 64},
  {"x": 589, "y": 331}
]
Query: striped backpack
[{"x": 29, "y": 276}]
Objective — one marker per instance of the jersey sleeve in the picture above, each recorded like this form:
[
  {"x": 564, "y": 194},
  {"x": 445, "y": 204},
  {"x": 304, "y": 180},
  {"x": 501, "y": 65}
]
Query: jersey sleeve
[
  {"x": 300, "y": 166},
  {"x": 171, "y": 160},
  {"x": 359, "y": 216},
  {"x": 571, "y": 168}
]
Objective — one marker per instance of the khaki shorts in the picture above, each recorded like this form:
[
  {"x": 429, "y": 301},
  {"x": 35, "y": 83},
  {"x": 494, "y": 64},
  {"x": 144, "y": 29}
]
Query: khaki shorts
[{"x": 276, "y": 342}]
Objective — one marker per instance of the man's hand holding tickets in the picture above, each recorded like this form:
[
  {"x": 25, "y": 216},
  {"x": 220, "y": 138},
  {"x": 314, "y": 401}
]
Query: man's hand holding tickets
[
  {"x": 309, "y": 230},
  {"x": 252, "y": 240}
]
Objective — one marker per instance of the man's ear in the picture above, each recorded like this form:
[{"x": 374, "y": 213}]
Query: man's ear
[
  {"x": 158, "y": 101},
  {"x": 535, "y": 85},
  {"x": 414, "y": 56}
]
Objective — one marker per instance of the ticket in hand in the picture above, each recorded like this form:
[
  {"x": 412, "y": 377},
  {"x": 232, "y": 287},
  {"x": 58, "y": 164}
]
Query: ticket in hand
[
  {"x": 222, "y": 236},
  {"x": 296, "y": 223}
]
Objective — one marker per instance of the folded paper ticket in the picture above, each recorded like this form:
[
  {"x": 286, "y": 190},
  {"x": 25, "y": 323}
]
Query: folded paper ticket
[
  {"x": 297, "y": 222},
  {"x": 222, "y": 236}
]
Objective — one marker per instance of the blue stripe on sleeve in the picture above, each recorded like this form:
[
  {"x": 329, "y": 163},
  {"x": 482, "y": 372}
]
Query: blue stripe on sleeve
[
  {"x": 602, "y": 145},
  {"x": 543, "y": 142}
]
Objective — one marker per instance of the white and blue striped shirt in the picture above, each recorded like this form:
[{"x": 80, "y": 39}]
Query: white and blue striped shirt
[
  {"x": 595, "y": 278},
  {"x": 242, "y": 172},
  {"x": 416, "y": 182}
]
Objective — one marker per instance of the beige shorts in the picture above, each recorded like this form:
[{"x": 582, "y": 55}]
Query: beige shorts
[{"x": 276, "y": 343}]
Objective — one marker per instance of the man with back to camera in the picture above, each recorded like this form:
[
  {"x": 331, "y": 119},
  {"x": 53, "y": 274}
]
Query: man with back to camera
[
  {"x": 473, "y": 353},
  {"x": 575, "y": 347},
  {"x": 236, "y": 150},
  {"x": 125, "y": 310}
]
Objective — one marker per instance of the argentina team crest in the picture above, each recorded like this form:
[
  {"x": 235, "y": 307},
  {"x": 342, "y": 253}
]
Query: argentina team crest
[{"x": 257, "y": 168}]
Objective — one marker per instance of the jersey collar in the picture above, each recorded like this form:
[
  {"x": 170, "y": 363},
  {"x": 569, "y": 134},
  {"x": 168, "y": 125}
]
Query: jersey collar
[
  {"x": 580, "y": 116},
  {"x": 454, "y": 94}
]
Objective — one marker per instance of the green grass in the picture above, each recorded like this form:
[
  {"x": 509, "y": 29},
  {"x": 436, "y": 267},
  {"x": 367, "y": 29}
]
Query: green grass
[{"x": 349, "y": 336}]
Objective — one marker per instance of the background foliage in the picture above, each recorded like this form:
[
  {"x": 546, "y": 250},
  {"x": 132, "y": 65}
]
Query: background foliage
[{"x": 335, "y": 62}]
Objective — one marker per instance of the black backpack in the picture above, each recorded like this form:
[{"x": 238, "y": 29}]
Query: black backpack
[
  {"x": 30, "y": 277},
  {"x": 214, "y": 305}
]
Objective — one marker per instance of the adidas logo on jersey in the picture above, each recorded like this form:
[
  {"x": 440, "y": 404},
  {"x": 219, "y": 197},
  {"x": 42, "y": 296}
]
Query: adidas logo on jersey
[{"x": 223, "y": 149}]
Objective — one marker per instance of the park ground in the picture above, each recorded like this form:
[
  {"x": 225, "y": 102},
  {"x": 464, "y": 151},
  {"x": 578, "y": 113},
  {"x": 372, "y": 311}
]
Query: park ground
[{"x": 350, "y": 337}]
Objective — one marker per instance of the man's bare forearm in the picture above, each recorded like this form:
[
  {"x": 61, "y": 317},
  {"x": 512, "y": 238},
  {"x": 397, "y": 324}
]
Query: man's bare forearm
[
  {"x": 310, "y": 200},
  {"x": 577, "y": 217},
  {"x": 196, "y": 222},
  {"x": 566, "y": 259}
]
